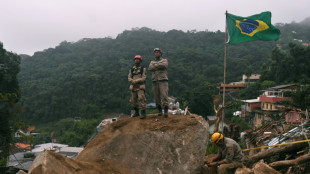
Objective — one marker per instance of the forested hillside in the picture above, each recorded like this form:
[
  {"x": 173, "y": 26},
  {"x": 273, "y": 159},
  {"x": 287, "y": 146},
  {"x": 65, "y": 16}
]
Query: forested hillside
[
  {"x": 88, "y": 78},
  {"x": 9, "y": 96}
]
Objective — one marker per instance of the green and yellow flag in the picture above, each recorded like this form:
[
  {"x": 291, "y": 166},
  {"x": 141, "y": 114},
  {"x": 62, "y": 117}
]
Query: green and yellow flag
[{"x": 256, "y": 27}]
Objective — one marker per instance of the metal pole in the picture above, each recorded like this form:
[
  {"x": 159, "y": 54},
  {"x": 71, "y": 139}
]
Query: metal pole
[{"x": 224, "y": 81}]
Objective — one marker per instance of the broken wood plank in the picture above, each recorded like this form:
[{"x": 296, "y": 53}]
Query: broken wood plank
[
  {"x": 249, "y": 160},
  {"x": 297, "y": 161}
]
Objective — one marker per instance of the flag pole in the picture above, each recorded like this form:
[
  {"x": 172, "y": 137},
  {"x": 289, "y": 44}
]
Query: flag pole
[{"x": 224, "y": 81}]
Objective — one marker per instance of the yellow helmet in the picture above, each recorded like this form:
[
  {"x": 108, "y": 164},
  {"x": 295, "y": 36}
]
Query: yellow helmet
[{"x": 216, "y": 137}]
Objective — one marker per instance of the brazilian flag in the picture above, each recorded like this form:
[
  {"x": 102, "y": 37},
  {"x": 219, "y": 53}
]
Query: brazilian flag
[{"x": 256, "y": 27}]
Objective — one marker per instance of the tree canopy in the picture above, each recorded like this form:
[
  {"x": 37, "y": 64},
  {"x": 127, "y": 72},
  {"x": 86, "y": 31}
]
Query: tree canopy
[
  {"x": 9, "y": 96},
  {"x": 88, "y": 78}
]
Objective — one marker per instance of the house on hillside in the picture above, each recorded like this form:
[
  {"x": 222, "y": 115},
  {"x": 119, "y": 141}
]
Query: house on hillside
[
  {"x": 248, "y": 109},
  {"x": 283, "y": 88},
  {"x": 231, "y": 87},
  {"x": 251, "y": 79},
  {"x": 269, "y": 100},
  {"x": 25, "y": 133},
  {"x": 20, "y": 147},
  {"x": 257, "y": 111},
  {"x": 235, "y": 87},
  {"x": 247, "y": 80}
]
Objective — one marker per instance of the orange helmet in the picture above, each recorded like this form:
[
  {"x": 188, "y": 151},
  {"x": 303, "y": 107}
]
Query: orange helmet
[
  {"x": 138, "y": 57},
  {"x": 216, "y": 137}
]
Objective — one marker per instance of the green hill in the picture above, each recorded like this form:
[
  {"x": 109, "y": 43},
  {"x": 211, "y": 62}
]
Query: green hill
[{"x": 88, "y": 78}]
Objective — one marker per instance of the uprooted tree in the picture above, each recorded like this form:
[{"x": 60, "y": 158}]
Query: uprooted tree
[{"x": 219, "y": 112}]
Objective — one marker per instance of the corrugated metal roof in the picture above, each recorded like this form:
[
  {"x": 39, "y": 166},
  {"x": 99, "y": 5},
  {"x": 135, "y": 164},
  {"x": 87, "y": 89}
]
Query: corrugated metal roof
[
  {"x": 286, "y": 137},
  {"x": 251, "y": 100}
]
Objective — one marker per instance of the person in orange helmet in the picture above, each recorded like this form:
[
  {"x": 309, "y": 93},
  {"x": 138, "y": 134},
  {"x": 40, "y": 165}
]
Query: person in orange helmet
[{"x": 229, "y": 156}]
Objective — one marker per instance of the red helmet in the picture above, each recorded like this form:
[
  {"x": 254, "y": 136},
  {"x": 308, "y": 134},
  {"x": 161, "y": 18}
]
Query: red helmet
[{"x": 138, "y": 57}]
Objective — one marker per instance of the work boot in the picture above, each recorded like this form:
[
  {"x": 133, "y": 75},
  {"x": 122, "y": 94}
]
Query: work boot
[
  {"x": 136, "y": 112},
  {"x": 166, "y": 112},
  {"x": 143, "y": 115},
  {"x": 160, "y": 111}
]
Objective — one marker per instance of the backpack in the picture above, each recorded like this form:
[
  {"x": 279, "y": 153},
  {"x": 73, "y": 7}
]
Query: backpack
[{"x": 141, "y": 71}]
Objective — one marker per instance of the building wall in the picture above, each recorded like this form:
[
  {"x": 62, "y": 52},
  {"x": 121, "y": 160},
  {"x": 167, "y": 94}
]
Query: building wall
[
  {"x": 266, "y": 106},
  {"x": 254, "y": 106},
  {"x": 292, "y": 117},
  {"x": 247, "y": 108},
  {"x": 259, "y": 119},
  {"x": 264, "y": 98}
]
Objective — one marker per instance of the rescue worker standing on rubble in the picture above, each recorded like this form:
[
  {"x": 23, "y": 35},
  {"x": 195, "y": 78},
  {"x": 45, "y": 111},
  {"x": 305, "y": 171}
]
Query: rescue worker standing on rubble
[
  {"x": 229, "y": 156},
  {"x": 136, "y": 77},
  {"x": 158, "y": 67}
]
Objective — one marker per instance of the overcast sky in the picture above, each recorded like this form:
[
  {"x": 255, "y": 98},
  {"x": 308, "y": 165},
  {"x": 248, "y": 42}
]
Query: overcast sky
[{"x": 27, "y": 26}]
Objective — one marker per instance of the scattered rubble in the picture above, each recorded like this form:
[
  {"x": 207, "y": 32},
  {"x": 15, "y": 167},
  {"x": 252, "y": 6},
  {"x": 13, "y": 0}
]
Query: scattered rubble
[
  {"x": 284, "y": 151},
  {"x": 276, "y": 147}
]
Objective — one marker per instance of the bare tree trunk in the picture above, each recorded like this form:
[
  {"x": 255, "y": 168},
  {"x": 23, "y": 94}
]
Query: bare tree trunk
[
  {"x": 218, "y": 118},
  {"x": 218, "y": 113},
  {"x": 299, "y": 160},
  {"x": 267, "y": 153}
]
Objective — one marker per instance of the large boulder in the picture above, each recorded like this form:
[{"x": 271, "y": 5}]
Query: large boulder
[{"x": 155, "y": 145}]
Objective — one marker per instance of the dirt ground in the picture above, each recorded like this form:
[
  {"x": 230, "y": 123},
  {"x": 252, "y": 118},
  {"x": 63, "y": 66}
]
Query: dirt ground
[{"x": 159, "y": 123}]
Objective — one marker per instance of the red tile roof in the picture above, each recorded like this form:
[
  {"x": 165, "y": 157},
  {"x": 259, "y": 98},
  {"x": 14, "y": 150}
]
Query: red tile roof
[
  {"x": 264, "y": 98},
  {"x": 31, "y": 128},
  {"x": 22, "y": 146}
]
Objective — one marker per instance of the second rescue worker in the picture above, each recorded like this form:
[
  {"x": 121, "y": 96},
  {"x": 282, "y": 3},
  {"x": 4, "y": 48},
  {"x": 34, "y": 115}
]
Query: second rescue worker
[{"x": 158, "y": 67}]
